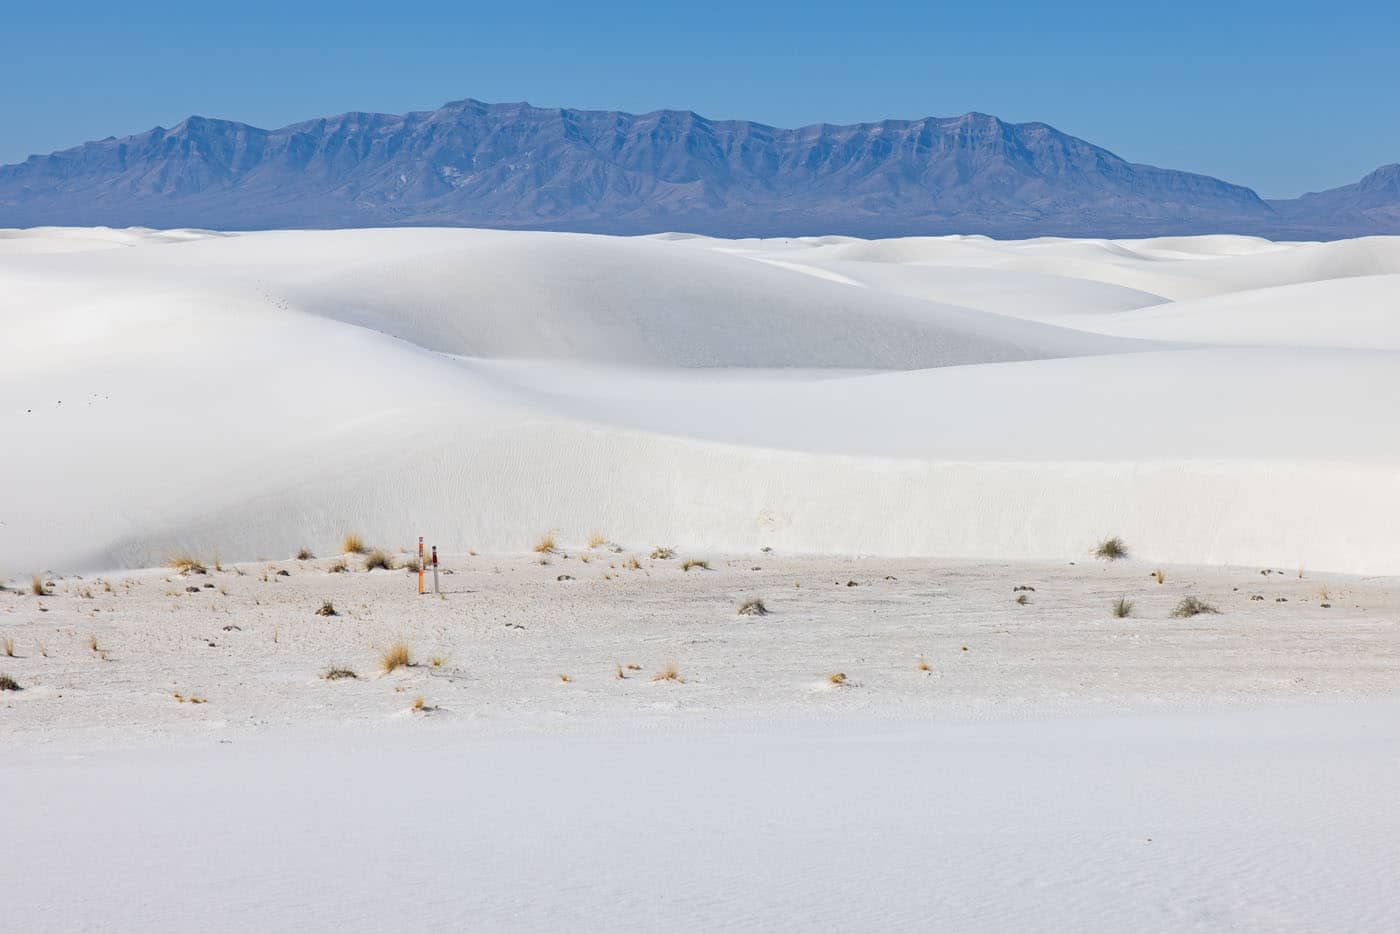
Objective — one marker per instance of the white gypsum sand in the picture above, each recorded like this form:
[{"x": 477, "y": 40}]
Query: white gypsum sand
[{"x": 951, "y": 716}]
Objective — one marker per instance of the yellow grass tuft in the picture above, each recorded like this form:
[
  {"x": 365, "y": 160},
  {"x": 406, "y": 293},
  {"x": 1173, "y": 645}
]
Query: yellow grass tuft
[
  {"x": 633, "y": 666},
  {"x": 438, "y": 661},
  {"x": 924, "y": 665},
  {"x": 546, "y": 545},
  {"x": 37, "y": 587},
  {"x": 352, "y": 544},
  {"x": 395, "y": 656},
  {"x": 620, "y": 674},
  {"x": 418, "y": 702},
  {"x": 596, "y": 540},
  {"x": 1160, "y": 576},
  {"x": 338, "y": 566},
  {"x": 662, "y": 553},
  {"x": 565, "y": 679},
  {"x": 632, "y": 564},
  {"x": 92, "y": 642},
  {"x": 379, "y": 559},
  {"x": 669, "y": 672},
  {"x": 695, "y": 563},
  {"x": 7, "y": 647},
  {"x": 186, "y": 564},
  {"x": 838, "y": 678}
]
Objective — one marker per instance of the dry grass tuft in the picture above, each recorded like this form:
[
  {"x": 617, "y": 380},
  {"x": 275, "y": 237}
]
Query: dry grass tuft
[
  {"x": 304, "y": 554},
  {"x": 923, "y": 664},
  {"x": 437, "y": 661},
  {"x": 633, "y": 666},
  {"x": 596, "y": 540},
  {"x": 9, "y": 684},
  {"x": 352, "y": 544},
  {"x": 379, "y": 559},
  {"x": 546, "y": 545},
  {"x": 327, "y": 609},
  {"x": 1122, "y": 608},
  {"x": 1111, "y": 549},
  {"x": 92, "y": 642},
  {"x": 7, "y": 647},
  {"x": 37, "y": 587},
  {"x": 632, "y": 564},
  {"x": 418, "y": 702},
  {"x": 338, "y": 566},
  {"x": 695, "y": 563},
  {"x": 620, "y": 674},
  {"x": 339, "y": 674},
  {"x": 186, "y": 564},
  {"x": 669, "y": 672},
  {"x": 837, "y": 678},
  {"x": 395, "y": 656},
  {"x": 413, "y": 565},
  {"x": 1160, "y": 576},
  {"x": 753, "y": 607},
  {"x": 662, "y": 553},
  {"x": 1191, "y": 606},
  {"x": 564, "y": 679}
]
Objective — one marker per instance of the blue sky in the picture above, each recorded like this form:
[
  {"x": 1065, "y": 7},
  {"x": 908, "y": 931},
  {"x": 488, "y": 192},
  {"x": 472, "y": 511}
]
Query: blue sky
[{"x": 1284, "y": 97}]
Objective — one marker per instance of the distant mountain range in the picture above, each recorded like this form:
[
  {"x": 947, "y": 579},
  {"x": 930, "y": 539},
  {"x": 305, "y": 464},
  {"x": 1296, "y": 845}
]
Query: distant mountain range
[{"x": 518, "y": 166}]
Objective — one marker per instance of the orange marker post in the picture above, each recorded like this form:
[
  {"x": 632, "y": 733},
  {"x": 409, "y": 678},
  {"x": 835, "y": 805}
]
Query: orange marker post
[{"x": 420, "y": 565}]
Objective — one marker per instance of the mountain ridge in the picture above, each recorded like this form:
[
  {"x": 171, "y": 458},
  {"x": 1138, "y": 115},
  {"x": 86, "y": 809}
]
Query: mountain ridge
[{"x": 513, "y": 165}]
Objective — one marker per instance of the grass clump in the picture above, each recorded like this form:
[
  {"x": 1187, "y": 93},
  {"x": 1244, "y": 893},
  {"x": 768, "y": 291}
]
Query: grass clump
[
  {"x": 7, "y": 647},
  {"x": 304, "y": 554},
  {"x": 1160, "y": 576},
  {"x": 352, "y": 544},
  {"x": 597, "y": 540},
  {"x": 338, "y": 566},
  {"x": 1122, "y": 608},
  {"x": 186, "y": 564},
  {"x": 413, "y": 565},
  {"x": 546, "y": 545},
  {"x": 339, "y": 674},
  {"x": 9, "y": 684},
  {"x": 1192, "y": 606},
  {"x": 327, "y": 609},
  {"x": 37, "y": 586},
  {"x": 695, "y": 563},
  {"x": 1111, "y": 549},
  {"x": 394, "y": 657},
  {"x": 923, "y": 665},
  {"x": 753, "y": 607},
  {"x": 662, "y": 553},
  {"x": 837, "y": 678},
  {"x": 379, "y": 559},
  {"x": 669, "y": 672}
]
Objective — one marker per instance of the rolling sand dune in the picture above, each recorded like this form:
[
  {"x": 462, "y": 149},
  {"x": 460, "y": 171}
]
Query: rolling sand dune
[{"x": 1216, "y": 399}]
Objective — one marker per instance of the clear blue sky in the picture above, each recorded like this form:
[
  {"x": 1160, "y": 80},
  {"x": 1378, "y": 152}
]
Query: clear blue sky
[{"x": 1284, "y": 97}]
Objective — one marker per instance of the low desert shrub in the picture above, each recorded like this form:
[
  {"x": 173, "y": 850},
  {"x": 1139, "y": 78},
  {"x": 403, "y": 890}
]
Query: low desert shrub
[
  {"x": 669, "y": 672},
  {"x": 546, "y": 545},
  {"x": 186, "y": 564},
  {"x": 338, "y": 566},
  {"x": 327, "y": 609},
  {"x": 379, "y": 559},
  {"x": 9, "y": 684},
  {"x": 413, "y": 565},
  {"x": 923, "y": 664},
  {"x": 753, "y": 607},
  {"x": 37, "y": 587},
  {"x": 596, "y": 540},
  {"x": 662, "y": 553},
  {"x": 837, "y": 678},
  {"x": 338, "y": 674},
  {"x": 395, "y": 656},
  {"x": 1191, "y": 606},
  {"x": 1122, "y": 608},
  {"x": 304, "y": 554},
  {"x": 1160, "y": 576},
  {"x": 695, "y": 563},
  {"x": 353, "y": 544},
  {"x": 1111, "y": 549}
]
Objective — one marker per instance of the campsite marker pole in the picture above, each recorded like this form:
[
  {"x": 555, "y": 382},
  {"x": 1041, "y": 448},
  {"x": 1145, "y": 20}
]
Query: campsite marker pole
[
  {"x": 420, "y": 565},
  {"x": 435, "y": 573}
]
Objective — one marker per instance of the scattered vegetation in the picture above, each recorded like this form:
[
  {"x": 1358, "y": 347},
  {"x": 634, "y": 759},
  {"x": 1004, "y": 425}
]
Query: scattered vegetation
[
  {"x": 620, "y": 674},
  {"x": 837, "y": 678},
  {"x": 1160, "y": 576},
  {"x": 186, "y": 564},
  {"x": 338, "y": 566},
  {"x": 413, "y": 565},
  {"x": 596, "y": 540},
  {"x": 1191, "y": 606},
  {"x": 305, "y": 554},
  {"x": 662, "y": 553},
  {"x": 753, "y": 607},
  {"x": 339, "y": 674},
  {"x": 1111, "y": 549},
  {"x": 395, "y": 656},
  {"x": 695, "y": 563},
  {"x": 1122, "y": 608},
  {"x": 633, "y": 666},
  {"x": 418, "y": 703},
  {"x": 9, "y": 684},
  {"x": 37, "y": 587},
  {"x": 546, "y": 545},
  {"x": 352, "y": 544},
  {"x": 669, "y": 672},
  {"x": 379, "y": 559},
  {"x": 632, "y": 564},
  {"x": 7, "y": 647},
  {"x": 92, "y": 642},
  {"x": 1022, "y": 599},
  {"x": 327, "y": 609},
  {"x": 565, "y": 679},
  {"x": 437, "y": 661},
  {"x": 923, "y": 664}
]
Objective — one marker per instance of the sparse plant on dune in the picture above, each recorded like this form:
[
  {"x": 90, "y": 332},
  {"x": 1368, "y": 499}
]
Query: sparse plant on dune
[
  {"x": 327, "y": 609},
  {"x": 1022, "y": 599},
  {"x": 1160, "y": 576},
  {"x": 304, "y": 554},
  {"x": 633, "y": 666},
  {"x": 338, "y": 566},
  {"x": 620, "y": 674},
  {"x": 9, "y": 684},
  {"x": 413, "y": 565},
  {"x": 1192, "y": 606},
  {"x": 923, "y": 664},
  {"x": 394, "y": 657},
  {"x": 695, "y": 563},
  {"x": 37, "y": 587},
  {"x": 753, "y": 607},
  {"x": 418, "y": 703},
  {"x": 92, "y": 642},
  {"x": 338, "y": 674},
  {"x": 352, "y": 544},
  {"x": 632, "y": 564},
  {"x": 379, "y": 559},
  {"x": 662, "y": 553},
  {"x": 1122, "y": 608},
  {"x": 186, "y": 564},
  {"x": 1111, "y": 549},
  {"x": 7, "y": 647},
  {"x": 597, "y": 540},
  {"x": 564, "y": 679},
  {"x": 837, "y": 678},
  {"x": 671, "y": 671},
  {"x": 546, "y": 545}
]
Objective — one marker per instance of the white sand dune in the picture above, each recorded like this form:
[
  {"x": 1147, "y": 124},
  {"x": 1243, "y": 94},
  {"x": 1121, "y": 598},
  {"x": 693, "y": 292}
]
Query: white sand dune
[{"x": 1212, "y": 400}]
